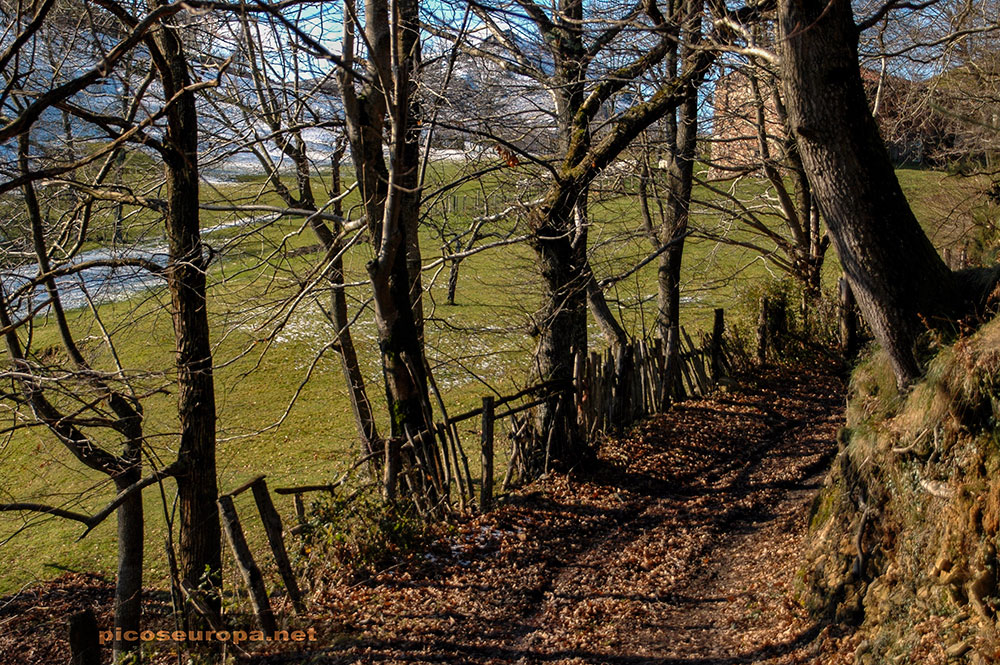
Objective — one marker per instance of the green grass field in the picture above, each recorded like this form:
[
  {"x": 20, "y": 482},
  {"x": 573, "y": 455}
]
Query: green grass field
[{"x": 264, "y": 349}]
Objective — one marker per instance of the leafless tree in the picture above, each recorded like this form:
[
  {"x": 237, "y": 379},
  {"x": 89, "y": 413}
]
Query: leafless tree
[
  {"x": 583, "y": 56},
  {"x": 759, "y": 191},
  {"x": 277, "y": 95},
  {"x": 161, "y": 116}
]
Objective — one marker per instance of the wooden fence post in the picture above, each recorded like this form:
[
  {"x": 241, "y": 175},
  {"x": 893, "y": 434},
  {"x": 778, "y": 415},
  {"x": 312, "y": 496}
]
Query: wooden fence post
[
  {"x": 246, "y": 564},
  {"x": 486, "y": 487},
  {"x": 580, "y": 388},
  {"x": 762, "y": 329},
  {"x": 272, "y": 527},
  {"x": 300, "y": 508},
  {"x": 392, "y": 465},
  {"x": 84, "y": 647},
  {"x": 777, "y": 325},
  {"x": 718, "y": 328}
]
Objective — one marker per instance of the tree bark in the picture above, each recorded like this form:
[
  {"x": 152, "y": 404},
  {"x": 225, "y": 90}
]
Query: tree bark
[
  {"x": 897, "y": 277},
  {"x": 847, "y": 321},
  {"x": 200, "y": 533},
  {"x": 558, "y": 323},
  {"x": 409, "y": 178},
  {"x": 682, "y": 128},
  {"x": 559, "y": 238}
]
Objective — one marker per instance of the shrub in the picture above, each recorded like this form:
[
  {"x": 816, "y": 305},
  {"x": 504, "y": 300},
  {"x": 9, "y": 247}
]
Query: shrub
[{"x": 358, "y": 534}]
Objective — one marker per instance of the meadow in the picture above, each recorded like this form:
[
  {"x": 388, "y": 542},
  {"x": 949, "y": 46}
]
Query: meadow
[{"x": 282, "y": 407}]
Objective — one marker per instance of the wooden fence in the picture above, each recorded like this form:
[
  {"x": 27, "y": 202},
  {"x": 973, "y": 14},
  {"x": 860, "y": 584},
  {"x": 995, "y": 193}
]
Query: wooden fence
[
  {"x": 621, "y": 386},
  {"x": 610, "y": 390}
]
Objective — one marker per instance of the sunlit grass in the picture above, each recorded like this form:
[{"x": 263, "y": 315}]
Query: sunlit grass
[{"x": 263, "y": 349}]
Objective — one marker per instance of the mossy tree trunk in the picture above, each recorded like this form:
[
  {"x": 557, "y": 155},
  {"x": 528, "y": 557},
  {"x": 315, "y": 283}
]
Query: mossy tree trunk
[{"x": 564, "y": 304}]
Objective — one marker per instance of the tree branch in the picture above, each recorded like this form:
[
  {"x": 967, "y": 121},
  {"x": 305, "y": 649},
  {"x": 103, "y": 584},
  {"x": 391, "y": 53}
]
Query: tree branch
[{"x": 41, "y": 508}]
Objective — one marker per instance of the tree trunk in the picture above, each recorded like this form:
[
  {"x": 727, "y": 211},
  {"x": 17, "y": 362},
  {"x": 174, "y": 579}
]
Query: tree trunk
[
  {"x": 452, "y": 281},
  {"x": 360, "y": 405},
  {"x": 392, "y": 213},
  {"x": 673, "y": 227},
  {"x": 333, "y": 245},
  {"x": 128, "y": 586},
  {"x": 668, "y": 320},
  {"x": 613, "y": 331},
  {"x": 558, "y": 324},
  {"x": 409, "y": 180},
  {"x": 200, "y": 534},
  {"x": 896, "y": 275},
  {"x": 847, "y": 321},
  {"x": 289, "y": 140},
  {"x": 402, "y": 350},
  {"x": 559, "y": 238}
]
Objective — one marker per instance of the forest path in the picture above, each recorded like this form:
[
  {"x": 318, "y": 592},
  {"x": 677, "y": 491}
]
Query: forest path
[{"x": 682, "y": 550}]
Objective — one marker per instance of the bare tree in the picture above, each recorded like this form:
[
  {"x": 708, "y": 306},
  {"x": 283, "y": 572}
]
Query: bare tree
[
  {"x": 667, "y": 235},
  {"x": 381, "y": 95},
  {"x": 170, "y": 107},
  {"x": 753, "y": 145},
  {"x": 70, "y": 401},
  {"x": 286, "y": 94},
  {"x": 577, "y": 69}
]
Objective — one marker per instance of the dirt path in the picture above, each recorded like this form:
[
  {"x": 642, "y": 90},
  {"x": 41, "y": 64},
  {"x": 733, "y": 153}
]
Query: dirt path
[{"x": 684, "y": 550}]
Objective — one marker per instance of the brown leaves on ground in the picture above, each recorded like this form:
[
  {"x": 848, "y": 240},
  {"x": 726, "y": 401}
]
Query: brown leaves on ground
[
  {"x": 33, "y": 622},
  {"x": 682, "y": 549}
]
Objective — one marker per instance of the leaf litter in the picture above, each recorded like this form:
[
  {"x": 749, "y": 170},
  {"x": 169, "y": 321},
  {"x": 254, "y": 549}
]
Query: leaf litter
[{"x": 681, "y": 547}]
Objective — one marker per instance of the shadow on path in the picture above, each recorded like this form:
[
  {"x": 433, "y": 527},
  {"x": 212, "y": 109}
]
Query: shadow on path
[{"x": 681, "y": 550}]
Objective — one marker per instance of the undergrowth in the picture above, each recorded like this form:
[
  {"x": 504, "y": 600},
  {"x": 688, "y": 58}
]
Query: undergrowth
[
  {"x": 803, "y": 328},
  {"x": 354, "y": 535}
]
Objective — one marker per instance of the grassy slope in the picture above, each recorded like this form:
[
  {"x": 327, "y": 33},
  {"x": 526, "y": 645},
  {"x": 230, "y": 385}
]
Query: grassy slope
[
  {"x": 496, "y": 295},
  {"x": 927, "y": 464}
]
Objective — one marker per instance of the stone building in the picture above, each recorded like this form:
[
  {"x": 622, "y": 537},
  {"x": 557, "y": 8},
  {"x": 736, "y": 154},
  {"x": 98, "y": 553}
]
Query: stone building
[{"x": 737, "y": 111}]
